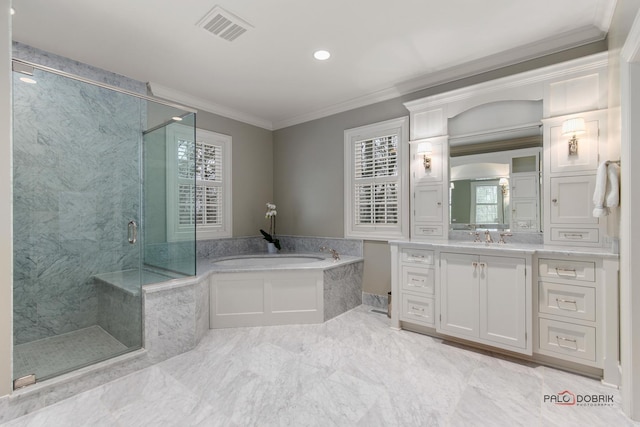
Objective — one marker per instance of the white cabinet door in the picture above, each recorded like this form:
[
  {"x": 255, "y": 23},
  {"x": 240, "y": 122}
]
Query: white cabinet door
[
  {"x": 571, "y": 199},
  {"x": 459, "y": 294},
  {"x": 485, "y": 299},
  {"x": 428, "y": 203},
  {"x": 503, "y": 301}
]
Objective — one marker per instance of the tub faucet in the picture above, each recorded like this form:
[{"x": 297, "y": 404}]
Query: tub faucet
[{"x": 334, "y": 253}]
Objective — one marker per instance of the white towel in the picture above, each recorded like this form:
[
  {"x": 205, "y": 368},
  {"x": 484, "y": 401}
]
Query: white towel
[
  {"x": 612, "y": 197},
  {"x": 600, "y": 191}
]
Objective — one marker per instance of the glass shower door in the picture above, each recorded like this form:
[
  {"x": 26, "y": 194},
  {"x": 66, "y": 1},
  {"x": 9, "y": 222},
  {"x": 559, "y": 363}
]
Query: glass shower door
[{"x": 77, "y": 211}]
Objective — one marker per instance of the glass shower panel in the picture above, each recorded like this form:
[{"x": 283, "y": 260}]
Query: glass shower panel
[
  {"x": 169, "y": 182},
  {"x": 77, "y": 206}
]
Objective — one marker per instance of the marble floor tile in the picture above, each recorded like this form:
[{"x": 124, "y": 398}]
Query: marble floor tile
[{"x": 350, "y": 371}]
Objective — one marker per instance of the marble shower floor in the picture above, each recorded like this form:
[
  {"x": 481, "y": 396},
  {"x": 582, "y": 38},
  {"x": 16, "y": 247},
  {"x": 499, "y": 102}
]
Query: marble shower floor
[
  {"x": 350, "y": 371},
  {"x": 61, "y": 353}
]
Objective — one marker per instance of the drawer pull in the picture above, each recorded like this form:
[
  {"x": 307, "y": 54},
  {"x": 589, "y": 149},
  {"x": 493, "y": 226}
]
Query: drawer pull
[
  {"x": 573, "y": 236},
  {"x": 567, "y": 301},
  {"x": 571, "y": 340},
  {"x": 418, "y": 311},
  {"x": 566, "y": 272},
  {"x": 416, "y": 282}
]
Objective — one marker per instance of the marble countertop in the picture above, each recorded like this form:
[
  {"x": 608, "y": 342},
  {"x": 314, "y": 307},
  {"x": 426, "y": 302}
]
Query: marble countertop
[{"x": 512, "y": 248}]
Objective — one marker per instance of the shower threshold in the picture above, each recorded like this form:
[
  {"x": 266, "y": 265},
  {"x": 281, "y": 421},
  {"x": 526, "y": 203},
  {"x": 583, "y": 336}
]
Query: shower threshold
[{"x": 63, "y": 353}]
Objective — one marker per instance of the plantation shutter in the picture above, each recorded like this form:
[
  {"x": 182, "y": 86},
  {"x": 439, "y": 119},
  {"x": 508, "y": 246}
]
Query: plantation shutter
[{"x": 376, "y": 181}]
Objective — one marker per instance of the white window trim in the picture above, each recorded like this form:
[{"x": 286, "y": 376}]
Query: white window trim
[
  {"x": 377, "y": 232},
  {"x": 202, "y": 233}
]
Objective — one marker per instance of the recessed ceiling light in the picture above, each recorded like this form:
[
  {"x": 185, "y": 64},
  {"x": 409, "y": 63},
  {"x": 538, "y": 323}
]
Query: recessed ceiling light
[
  {"x": 28, "y": 80},
  {"x": 321, "y": 55},
  {"x": 177, "y": 119}
]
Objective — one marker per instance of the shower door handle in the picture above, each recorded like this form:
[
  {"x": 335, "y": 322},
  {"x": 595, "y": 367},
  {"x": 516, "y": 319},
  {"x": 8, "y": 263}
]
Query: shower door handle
[{"x": 132, "y": 232}]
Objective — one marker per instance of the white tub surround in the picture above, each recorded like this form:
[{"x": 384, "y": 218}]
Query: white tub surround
[
  {"x": 554, "y": 305},
  {"x": 282, "y": 289}
]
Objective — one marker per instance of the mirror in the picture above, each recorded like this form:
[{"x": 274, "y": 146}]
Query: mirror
[
  {"x": 495, "y": 172},
  {"x": 499, "y": 190}
]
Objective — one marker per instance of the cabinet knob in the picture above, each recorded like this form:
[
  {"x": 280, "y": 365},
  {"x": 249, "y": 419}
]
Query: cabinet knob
[
  {"x": 439, "y": 203},
  {"x": 554, "y": 200}
]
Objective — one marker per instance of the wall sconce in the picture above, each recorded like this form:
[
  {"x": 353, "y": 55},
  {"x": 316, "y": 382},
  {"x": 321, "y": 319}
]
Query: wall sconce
[
  {"x": 504, "y": 183},
  {"x": 573, "y": 127},
  {"x": 425, "y": 149},
  {"x": 452, "y": 186}
]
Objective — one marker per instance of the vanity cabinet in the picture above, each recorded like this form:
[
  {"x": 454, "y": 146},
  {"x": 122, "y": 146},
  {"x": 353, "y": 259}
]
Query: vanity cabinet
[{"x": 484, "y": 299}]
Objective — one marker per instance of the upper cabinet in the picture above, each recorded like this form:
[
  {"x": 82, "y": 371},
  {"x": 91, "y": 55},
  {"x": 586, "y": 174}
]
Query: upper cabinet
[{"x": 548, "y": 190}]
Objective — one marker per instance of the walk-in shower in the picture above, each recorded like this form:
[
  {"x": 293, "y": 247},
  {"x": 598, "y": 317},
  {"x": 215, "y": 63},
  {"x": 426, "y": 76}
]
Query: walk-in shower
[{"x": 95, "y": 201}]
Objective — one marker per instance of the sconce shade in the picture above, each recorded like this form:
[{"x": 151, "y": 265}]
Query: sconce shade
[
  {"x": 573, "y": 126},
  {"x": 452, "y": 186},
  {"x": 425, "y": 148},
  {"x": 503, "y": 182}
]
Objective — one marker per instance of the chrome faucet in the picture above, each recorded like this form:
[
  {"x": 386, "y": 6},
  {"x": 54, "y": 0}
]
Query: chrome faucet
[
  {"x": 502, "y": 236},
  {"x": 334, "y": 253},
  {"x": 487, "y": 237}
]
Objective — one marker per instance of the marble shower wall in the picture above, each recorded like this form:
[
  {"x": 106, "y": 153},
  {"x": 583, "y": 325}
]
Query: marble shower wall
[{"x": 76, "y": 185}]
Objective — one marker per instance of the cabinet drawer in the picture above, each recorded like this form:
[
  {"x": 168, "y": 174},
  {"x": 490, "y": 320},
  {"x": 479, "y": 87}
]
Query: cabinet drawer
[
  {"x": 417, "y": 309},
  {"x": 577, "y": 302},
  {"x": 418, "y": 280},
  {"x": 420, "y": 256},
  {"x": 427, "y": 230},
  {"x": 567, "y": 269},
  {"x": 572, "y": 235},
  {"x": 575, "y": 341}
]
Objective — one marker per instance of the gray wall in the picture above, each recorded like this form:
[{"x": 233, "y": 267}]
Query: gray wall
[
  {"x": 309, "y": 176},
  {"x": 252, "y": 170}
]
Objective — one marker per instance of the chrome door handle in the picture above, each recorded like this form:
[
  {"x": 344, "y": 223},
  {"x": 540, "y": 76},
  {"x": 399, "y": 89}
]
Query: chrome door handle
[{"x": 132, "y": 232}]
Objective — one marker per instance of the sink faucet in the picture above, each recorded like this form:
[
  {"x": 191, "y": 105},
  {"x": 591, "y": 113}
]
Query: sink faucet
[
  {"x": 334, "y": 253},
  {"x": 476, "y": 235},
  {"x": 487, "y": 237},
  {"x": 502, "y": 236}
]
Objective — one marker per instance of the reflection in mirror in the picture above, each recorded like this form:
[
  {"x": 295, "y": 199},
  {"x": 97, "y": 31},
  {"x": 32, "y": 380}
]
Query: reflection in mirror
[{"x": 495, "y": 153}]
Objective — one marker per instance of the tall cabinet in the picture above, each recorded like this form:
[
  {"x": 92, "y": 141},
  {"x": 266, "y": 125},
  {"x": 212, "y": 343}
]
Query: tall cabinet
[
  {"x": 570, "y": 177},
  {"x": 429, "y": 198}
]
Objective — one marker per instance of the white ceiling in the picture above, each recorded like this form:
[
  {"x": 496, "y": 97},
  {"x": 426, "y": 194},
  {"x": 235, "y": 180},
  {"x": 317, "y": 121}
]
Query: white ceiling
[{"x": 268, "y": 77}]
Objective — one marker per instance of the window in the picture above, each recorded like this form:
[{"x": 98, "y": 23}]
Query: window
[
  {"x": 376, "y": 206},
  {"x": 209, "y": 183}
]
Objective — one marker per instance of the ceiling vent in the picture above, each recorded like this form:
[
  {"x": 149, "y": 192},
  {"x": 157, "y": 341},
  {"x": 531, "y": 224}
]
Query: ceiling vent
[{"x": 223, "y": 24}]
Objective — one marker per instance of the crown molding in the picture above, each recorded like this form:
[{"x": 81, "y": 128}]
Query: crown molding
[
  {"x": 585, "y": 63},
  {"x": 167, "y": 93}
]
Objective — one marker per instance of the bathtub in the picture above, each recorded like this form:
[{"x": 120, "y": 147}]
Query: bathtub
[{"x": 282, "y": 289}]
